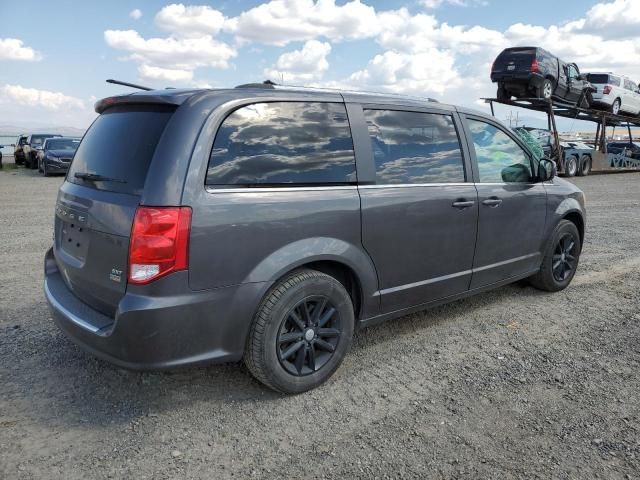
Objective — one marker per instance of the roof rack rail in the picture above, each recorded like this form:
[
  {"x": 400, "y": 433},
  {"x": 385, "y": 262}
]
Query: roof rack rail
[{"x": 270, "y": 84}]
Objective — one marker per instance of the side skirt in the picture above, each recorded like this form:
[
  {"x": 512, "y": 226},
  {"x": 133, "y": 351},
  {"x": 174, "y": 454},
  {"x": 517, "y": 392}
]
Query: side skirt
[{"x": 367, "y": 322}]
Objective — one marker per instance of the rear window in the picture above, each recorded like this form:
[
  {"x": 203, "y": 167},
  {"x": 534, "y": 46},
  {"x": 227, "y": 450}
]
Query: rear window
[
  {"x": 603, "y": 78},
  {"x": 119, "y": 146},
  {"x": 520, "y": 51},
  {"x": 283, "y": 143}
]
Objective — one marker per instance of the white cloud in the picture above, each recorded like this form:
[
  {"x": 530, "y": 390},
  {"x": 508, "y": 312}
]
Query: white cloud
[
  {"x": 279, "y": 22},
  {"x": 31, "y": 97},
  {"x": 617, "y": 19},
  {"x": 171, "y": 59},
  {"x": 305, "y": 65},
  {"x": 423, "y": 73},
  {"x": 190, "y": 21},
  {"x": 14, "y": 49},
  {"x": 149, "y": 72},
  {"x": 455, "y": 3},
  {"x": 136, "y": 14}
]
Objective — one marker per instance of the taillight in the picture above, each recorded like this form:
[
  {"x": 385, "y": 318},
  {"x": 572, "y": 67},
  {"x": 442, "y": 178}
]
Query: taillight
[
  {"x": 159, "y": 242},
  {"x": 606, "y": 89},
  {"x": 534, "y": 65}
]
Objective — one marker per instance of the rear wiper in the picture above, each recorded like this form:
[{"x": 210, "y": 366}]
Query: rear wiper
[{"x": 95, "y": 177}]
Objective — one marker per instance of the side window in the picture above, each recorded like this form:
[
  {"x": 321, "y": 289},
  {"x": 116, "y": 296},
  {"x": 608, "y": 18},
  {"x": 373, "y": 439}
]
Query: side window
[
  {"x": 283, "y": 143},
  {"x": 614, "y": 80},
  {"x": 414, "y": 147},
  {"x": 500, "y": 158},
  {"x": 629, "y": 85},
  {"x": 573, "y": 73}
]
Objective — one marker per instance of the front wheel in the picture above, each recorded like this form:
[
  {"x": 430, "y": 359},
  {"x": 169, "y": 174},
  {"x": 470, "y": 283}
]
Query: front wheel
[
  {"x": 301, "y": 333},
  {"x": 560, "y": 260}
]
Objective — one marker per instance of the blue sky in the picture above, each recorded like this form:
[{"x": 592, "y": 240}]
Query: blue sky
[{"x": 54, "y": 63}]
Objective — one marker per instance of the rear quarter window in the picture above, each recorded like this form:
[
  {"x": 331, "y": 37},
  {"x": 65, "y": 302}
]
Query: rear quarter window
[
  {"x": 283, "y": 143},
  {"x": 120, "y": 145}
]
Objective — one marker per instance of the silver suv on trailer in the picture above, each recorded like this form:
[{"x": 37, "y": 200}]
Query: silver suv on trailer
[{"x": 267, "y": 224}]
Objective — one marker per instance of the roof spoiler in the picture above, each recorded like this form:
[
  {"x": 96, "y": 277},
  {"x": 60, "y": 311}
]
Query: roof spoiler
[{"x": 131, "y": 99}]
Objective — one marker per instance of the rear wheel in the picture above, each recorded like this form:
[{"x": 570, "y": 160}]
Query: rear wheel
[
  {"x": 561, "y": 259},
  {"x": 571, "y": 166},
  {"x": 501, "y": 94},
  {"x": 301, "y": 333},
  {"x": 545, "y": 90},
  {"x": 615, "y": 106},
  {"x": 585, "y": 166},
  {"x": 45, "y": 171}
]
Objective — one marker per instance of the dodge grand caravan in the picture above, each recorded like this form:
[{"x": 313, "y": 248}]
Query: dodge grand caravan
[{"x": 267, "y": 224}]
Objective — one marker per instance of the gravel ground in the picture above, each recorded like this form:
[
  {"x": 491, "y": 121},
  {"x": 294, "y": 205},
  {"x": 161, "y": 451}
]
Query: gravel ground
[{"x": 514, "y": 383}]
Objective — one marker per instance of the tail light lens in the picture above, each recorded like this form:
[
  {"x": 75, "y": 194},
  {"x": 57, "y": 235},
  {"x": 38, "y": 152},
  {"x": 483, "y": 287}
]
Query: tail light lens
[
  {"x": 534, "y": 65},
  {"x": 607, "y": 89},
  {"x": 159, "y": 242}
]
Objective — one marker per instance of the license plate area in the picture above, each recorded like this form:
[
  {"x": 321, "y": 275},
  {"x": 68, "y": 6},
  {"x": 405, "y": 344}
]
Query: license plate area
[{"x": 74, "y": 240}]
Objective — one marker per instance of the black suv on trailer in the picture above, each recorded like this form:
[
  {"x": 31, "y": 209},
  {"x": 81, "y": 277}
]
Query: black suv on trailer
[
  {"x": 526, "y": 72},
  {"x": 268, "y": 223}
]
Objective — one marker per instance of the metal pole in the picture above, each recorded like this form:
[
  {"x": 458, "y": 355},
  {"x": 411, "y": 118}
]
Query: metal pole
[
  {"x": 492, "y": 112},
  {"x": 596, "y": 143}
]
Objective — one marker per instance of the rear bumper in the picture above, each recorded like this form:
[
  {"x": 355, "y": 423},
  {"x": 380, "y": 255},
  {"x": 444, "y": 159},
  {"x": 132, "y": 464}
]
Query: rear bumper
[
  {"x": 523, "y": 80},
  {"x": 159, "y": 326}
]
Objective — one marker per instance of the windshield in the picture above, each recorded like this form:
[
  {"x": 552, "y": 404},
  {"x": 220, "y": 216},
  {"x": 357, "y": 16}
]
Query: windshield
[
  {"x": 63, "y": 144},
  {"x": 39, "y": 139}
]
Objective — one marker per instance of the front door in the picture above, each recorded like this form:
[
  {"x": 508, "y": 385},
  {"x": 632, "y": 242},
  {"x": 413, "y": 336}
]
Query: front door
[
  {"x": 512, "y": 206},
  {"x": 419, "y": 219}
]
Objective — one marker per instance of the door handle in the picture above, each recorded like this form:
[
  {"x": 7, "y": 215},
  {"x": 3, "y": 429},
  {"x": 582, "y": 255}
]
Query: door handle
[
  {"x": 492, "y": 202},
  {"x": 462, "y": 204}
]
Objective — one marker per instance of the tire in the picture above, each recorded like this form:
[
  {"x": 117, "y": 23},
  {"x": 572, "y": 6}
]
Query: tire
[
  {"x": 45, "y": 171},
  {"x": 280, "y": 325},
  {"x": 570, "y": 166},
  {"x": 615, "y": 106},
  {"x": 548, "y": 278},
  {"x": 585, "y": 166},
  {"x": 501, "y": 94},
  {"x": 19, "y": 161},
  {"x": 545, "y": 90}
]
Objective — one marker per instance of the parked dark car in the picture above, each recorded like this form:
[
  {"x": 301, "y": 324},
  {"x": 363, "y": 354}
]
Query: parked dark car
[
  {"x": 630, "y": 149},
  {"x": 32, "y": 145},
  {"x": 198, "y": 226},
  {"x": 18, "y": 152},
  {"x": 526, "y": 72},
  {"x": 56, "y": 154}
]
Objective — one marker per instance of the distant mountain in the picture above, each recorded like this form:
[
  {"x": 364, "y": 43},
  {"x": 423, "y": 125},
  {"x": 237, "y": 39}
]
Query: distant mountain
[{"x": 12, "y": 130}]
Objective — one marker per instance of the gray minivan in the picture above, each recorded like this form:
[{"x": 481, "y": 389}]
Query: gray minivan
[{"x": 267, "y": 223}]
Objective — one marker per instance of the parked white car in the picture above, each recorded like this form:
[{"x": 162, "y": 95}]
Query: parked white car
[{"x": 617, "y": 93}]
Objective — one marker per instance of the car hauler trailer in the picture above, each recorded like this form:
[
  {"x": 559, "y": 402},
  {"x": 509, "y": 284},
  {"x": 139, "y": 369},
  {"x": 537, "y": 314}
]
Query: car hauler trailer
[{"x": 600, "y": 160}]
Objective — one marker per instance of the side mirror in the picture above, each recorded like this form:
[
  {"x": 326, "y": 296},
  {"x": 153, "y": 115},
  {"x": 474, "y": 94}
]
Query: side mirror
[
  {"x": 582, "y": 77},
  {"x": 546, "y": 170}
]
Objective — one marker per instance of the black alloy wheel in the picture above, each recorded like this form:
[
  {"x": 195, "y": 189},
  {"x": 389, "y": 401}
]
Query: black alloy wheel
[
  {"x": 309, "y": 336},
  {"x": 565, "y": 258}
]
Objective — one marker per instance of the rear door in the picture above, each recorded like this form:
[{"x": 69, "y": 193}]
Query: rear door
[
  {"x": 514, "y": 60},
  {"x": 94, "y": 217},
  {"x": 512, "y": 205},
  {"x": 419, "y": 218}
]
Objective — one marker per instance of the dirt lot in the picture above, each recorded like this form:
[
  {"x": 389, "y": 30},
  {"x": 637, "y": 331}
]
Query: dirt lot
[{"x": 510, "y": 384}]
